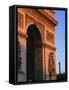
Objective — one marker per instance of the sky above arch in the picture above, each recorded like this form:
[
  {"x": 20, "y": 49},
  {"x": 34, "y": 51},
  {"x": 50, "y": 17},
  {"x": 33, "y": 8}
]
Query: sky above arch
[{"x": 60, "y": 40}]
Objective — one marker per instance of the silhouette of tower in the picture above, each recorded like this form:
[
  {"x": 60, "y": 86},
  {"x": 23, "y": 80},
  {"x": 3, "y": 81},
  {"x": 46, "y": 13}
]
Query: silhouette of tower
[{"x": 59, "y": 68}]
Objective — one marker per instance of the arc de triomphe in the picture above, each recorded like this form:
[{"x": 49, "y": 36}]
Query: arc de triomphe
[{"x": 36, "y": 38}]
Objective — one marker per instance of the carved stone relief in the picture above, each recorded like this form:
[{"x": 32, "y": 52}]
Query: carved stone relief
[
  {"x": 50, "y": 37},
  {"x": 51, "y": 63}
]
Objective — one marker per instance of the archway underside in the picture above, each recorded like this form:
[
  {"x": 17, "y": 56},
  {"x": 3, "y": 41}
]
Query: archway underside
[{"x": 34, "y": 54}]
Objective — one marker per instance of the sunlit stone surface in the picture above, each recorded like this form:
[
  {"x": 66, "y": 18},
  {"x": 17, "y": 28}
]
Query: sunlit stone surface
[{"x": 44, "y": 54}]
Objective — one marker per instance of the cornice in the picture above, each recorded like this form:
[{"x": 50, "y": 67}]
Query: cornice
[
  {"x": 22, "y": 34},
  {"x": 48, "y": 16},
  {"x": 49, "y": 46}
]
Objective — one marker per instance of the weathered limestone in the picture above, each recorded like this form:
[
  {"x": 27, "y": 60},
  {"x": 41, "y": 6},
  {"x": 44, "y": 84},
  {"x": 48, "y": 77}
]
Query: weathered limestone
[{"x": 45, "y": 22}]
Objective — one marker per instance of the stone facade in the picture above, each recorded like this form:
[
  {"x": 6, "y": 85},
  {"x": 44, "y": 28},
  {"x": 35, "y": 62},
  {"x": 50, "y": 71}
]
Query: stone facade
[{"x": 45, "y": 22}]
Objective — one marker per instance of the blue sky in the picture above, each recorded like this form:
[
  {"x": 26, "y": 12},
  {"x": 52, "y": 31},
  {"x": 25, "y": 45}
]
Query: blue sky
[{"x": 60, "y": 39}]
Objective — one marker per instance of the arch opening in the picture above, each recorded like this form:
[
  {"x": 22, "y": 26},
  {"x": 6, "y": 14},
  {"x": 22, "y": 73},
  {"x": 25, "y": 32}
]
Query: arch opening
[{"x": 34, "y": 54}]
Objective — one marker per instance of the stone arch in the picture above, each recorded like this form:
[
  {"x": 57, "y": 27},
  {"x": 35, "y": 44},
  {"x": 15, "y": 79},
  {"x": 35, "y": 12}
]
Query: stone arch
[
  {"x": 34, "y": 54},
  {"x": 38, "y": 26}
]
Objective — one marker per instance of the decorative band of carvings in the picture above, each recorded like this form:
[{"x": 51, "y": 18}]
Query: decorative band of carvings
[
  {"x": 21, "y": 34},
  {"x": 48, "y": 46}
]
